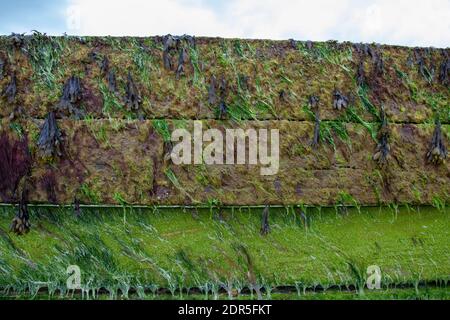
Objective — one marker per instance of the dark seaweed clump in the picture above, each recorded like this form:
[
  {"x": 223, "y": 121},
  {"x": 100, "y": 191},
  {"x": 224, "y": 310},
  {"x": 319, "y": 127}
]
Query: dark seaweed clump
[
  {"x": 293, "y": 44},
  {"x": 112, "y": 83},
  {"x": 212, "y": 96},
  {"x": 11, "y": 90},
  {"x": 309, "y": 45},
  {"x": 15, "y": 163},
  {"x": 104, "y": 66},
  {"x": 382, "y": 151},
  {"x": 76, "y": 208},
  {"x": 283, "y": 96},
  {"x": 265, "y": 227},
  {"x": 50, "y": 138},
  {"x": 314, "y": 103},
  {"x": 223, "y": 91},
  {"x": 172, "y": 46},
  {"x": 361, "y": 75},
  {"x": 340, "y": 100},
  {"x": 17, "y": 40},
  {"x": 71, "y": 98},
  {"x": 375, "y": 54},
  {"x": 109, "y": 74},
  {"x": 2, "y": 68},
  {"x": 378, "y": 61},
  {"x": 21, "y": 222},
  {"x": 437, "y": 152},
  {"x": 243, "y": 82},
  {"x": 217, "y": 92},
  {"x": 182, "y": 60},
  {"x": 132, "y": 99},
  {"x": 444, "y": 70},
  {"x": 420, "y": 56}
]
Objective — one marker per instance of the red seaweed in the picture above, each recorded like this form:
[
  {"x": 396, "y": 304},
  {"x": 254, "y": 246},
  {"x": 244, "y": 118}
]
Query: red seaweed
[{"x": 15, "y": 163}]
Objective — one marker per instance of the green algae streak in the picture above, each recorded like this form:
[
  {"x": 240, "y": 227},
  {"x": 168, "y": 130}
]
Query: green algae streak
[{"x": 136, "y": 252}]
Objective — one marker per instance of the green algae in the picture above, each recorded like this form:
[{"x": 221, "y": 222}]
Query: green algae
[{"x": 183, "y": 249}]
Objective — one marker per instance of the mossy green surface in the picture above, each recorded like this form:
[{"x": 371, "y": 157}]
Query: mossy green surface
[{"x": 149, "y": 249}]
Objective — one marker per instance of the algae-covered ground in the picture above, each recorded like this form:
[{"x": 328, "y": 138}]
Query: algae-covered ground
[{"x": 199, "y": 253}]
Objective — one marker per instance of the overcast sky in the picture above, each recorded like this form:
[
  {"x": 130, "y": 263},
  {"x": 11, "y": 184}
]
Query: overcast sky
[{"x": 403, "y": 22}]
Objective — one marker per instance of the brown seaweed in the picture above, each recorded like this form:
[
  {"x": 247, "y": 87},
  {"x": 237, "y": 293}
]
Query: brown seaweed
[
  {"x": 316, "y": 137},
  {"x": 21, "y": 223},
  {"x": 444, "y": 69},
  {"x": 110, "y": 75},
  {"x": 340, "y": 100},
  {"x": 104, "y": 66},
  {"x": 426, "y": 73},
  {"x": 182, "y": 60},
  {"x": 112, "y": 83},
  {"x": 378, "y": 64},
  {"x": 283, "y": 96},
  {"x": 243, "y": 82},
  {"x": 170, "y": 44},
  {"x": 2, "y": 68},
  {"x": 50, "y": 138},
  {"x": 212, "y": 96},
  {"x": 293, "y": 43},
  {"x": 76, "y": 208},
  {"x": 361, "y": 75},
  {"x": 437, "y": 152},
  {"x": 314, "y": 103},
  {"x": 132, "y": 99},
  {"x": 223, "y": 92},
  {"x": 265, "y": 227},
  {"x": 71, "y": 97},
  {"x": 10, "y": 91},
  {"x": 15, "y": 163},
  {"x": 17, "y": 40},
  {"x": 223, "y": 109},
  {"x": 382, "y": 151}
]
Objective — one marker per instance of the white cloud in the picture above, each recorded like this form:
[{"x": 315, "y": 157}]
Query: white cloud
[
  {"x": 141, "y": 18},
  {"x": 404, "y": 22}
]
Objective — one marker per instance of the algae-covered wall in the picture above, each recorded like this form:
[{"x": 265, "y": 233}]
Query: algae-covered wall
[{"x": 89, "y": 120}]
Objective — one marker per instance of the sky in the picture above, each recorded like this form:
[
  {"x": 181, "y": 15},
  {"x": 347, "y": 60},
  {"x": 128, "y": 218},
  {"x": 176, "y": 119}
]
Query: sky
[{"x": 401, "y": 22}]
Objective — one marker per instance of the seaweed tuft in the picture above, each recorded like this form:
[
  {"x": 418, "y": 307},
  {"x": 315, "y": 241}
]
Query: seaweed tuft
[
  {"x": 71, "y": 98},
  {"x": 20, "y": 224},
  {"x": 50, "y": 138},
  {"x": 265, "y": 227},
  {"x": 10, "y": 91},
  {"x": 437, "y": 152},
  {"x": 383, "y": 149},
  {"x": 133, "y": 98}
]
